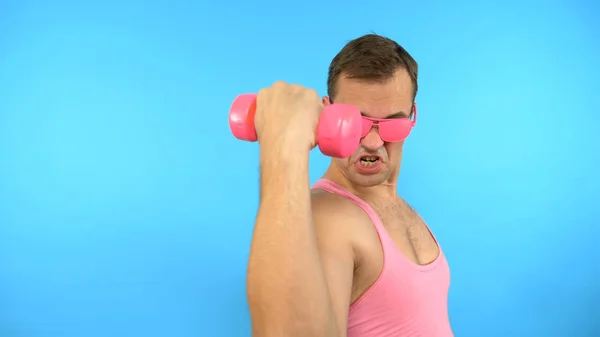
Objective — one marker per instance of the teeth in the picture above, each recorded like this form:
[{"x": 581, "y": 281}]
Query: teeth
[{"x": 367, "y": 163}]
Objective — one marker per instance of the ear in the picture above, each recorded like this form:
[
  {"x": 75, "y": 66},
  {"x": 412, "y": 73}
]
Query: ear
[
  {"x": 326, "y": 101},
  {"x": 414, "y": 113}
]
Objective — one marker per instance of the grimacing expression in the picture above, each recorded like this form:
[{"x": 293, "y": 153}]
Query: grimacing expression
[{"x": 376, "y": 161}]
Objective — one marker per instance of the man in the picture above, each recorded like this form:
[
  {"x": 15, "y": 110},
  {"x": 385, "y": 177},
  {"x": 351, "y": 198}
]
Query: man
[{"x": 351, "y": 257}]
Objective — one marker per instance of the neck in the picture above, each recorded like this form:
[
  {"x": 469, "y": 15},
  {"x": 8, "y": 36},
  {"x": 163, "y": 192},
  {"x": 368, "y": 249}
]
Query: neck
[{"x": 386, "y": 190}]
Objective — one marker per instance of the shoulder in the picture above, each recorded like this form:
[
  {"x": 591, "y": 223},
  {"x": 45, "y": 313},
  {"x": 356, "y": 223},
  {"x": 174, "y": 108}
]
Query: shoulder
[
  {"x": 337, "y": 220},
  {"x": 337, "y": 209}
]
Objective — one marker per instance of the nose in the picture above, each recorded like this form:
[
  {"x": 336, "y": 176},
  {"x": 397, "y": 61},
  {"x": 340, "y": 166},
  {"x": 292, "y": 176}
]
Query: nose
[{"x": 372, "y": 141}]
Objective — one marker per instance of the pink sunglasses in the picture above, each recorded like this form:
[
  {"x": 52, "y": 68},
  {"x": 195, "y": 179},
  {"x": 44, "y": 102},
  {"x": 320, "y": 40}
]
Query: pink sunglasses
[{"x": 390, "y": 129}]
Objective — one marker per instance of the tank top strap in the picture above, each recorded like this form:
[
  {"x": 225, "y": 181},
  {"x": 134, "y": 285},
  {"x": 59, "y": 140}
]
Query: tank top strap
[{"x": 331, "y": 187}]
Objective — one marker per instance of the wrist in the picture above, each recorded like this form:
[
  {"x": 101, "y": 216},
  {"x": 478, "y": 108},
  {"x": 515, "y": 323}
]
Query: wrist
[
  {"x": 279, "y": 154},
  {"x": 283, "y": 167},
  {"x": 290, "y": 139},
  {"x": 284, "y": 148}
]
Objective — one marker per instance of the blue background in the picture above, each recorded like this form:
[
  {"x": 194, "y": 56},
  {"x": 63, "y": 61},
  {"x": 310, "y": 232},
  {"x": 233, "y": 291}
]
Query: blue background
[{"x": 126, "y": 207}]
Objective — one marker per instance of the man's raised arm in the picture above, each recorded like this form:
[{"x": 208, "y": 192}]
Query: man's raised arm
[{"x": 286, "y": 285}]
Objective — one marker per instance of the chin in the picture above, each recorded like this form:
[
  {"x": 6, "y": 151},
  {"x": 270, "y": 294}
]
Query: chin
[
  {"x": 347, "y": 169},
  {"x": 370, "y": 180}
]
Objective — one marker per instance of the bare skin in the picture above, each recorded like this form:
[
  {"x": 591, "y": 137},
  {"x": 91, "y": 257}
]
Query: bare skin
[{"x": 315, "y": 253}]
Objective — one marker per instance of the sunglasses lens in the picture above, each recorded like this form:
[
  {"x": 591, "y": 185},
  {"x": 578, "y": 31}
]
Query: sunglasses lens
[
  {"x": 390, "y": 130},
  {"x": 395, "y": 130},
  {"x": 367, "y": 124}
]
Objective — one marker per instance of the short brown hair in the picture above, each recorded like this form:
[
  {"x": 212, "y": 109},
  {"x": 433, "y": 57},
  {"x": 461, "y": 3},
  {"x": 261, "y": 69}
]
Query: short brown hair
[{"x": 371, "y": 57}]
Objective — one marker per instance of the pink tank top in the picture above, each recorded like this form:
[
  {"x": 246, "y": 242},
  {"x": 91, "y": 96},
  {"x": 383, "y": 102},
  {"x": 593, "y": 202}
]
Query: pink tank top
[{"x": 407, "y": 300}]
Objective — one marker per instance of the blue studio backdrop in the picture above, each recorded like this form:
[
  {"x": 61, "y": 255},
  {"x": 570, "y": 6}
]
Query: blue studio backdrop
[{"x": 126, "y": 206}]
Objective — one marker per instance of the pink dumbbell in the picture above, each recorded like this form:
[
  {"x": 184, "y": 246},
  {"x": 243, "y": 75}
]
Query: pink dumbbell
[{"x": 338, "y": 132}]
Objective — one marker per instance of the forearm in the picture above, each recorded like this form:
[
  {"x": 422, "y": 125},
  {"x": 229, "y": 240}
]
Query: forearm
[{"x": 286, "y": 285}]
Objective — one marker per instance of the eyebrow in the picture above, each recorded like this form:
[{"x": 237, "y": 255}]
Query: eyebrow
[{"x": 399, "y": 114}]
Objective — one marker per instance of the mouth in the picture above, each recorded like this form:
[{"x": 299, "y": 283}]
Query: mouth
[{"x": 368, "y": 161}]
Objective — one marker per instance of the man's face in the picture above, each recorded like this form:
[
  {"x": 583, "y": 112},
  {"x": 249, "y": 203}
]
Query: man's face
[{"x": 390, "y": 99}]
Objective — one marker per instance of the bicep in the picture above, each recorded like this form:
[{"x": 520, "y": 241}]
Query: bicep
[
  {"x": 339, "y": 271},
  {"x": 337, "y": 258}
]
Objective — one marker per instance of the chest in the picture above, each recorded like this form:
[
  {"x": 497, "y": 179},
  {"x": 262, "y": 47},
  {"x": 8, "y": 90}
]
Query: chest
[
  {"x": 408, "y": 231},
  {"x": 414, "y": 247}
]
